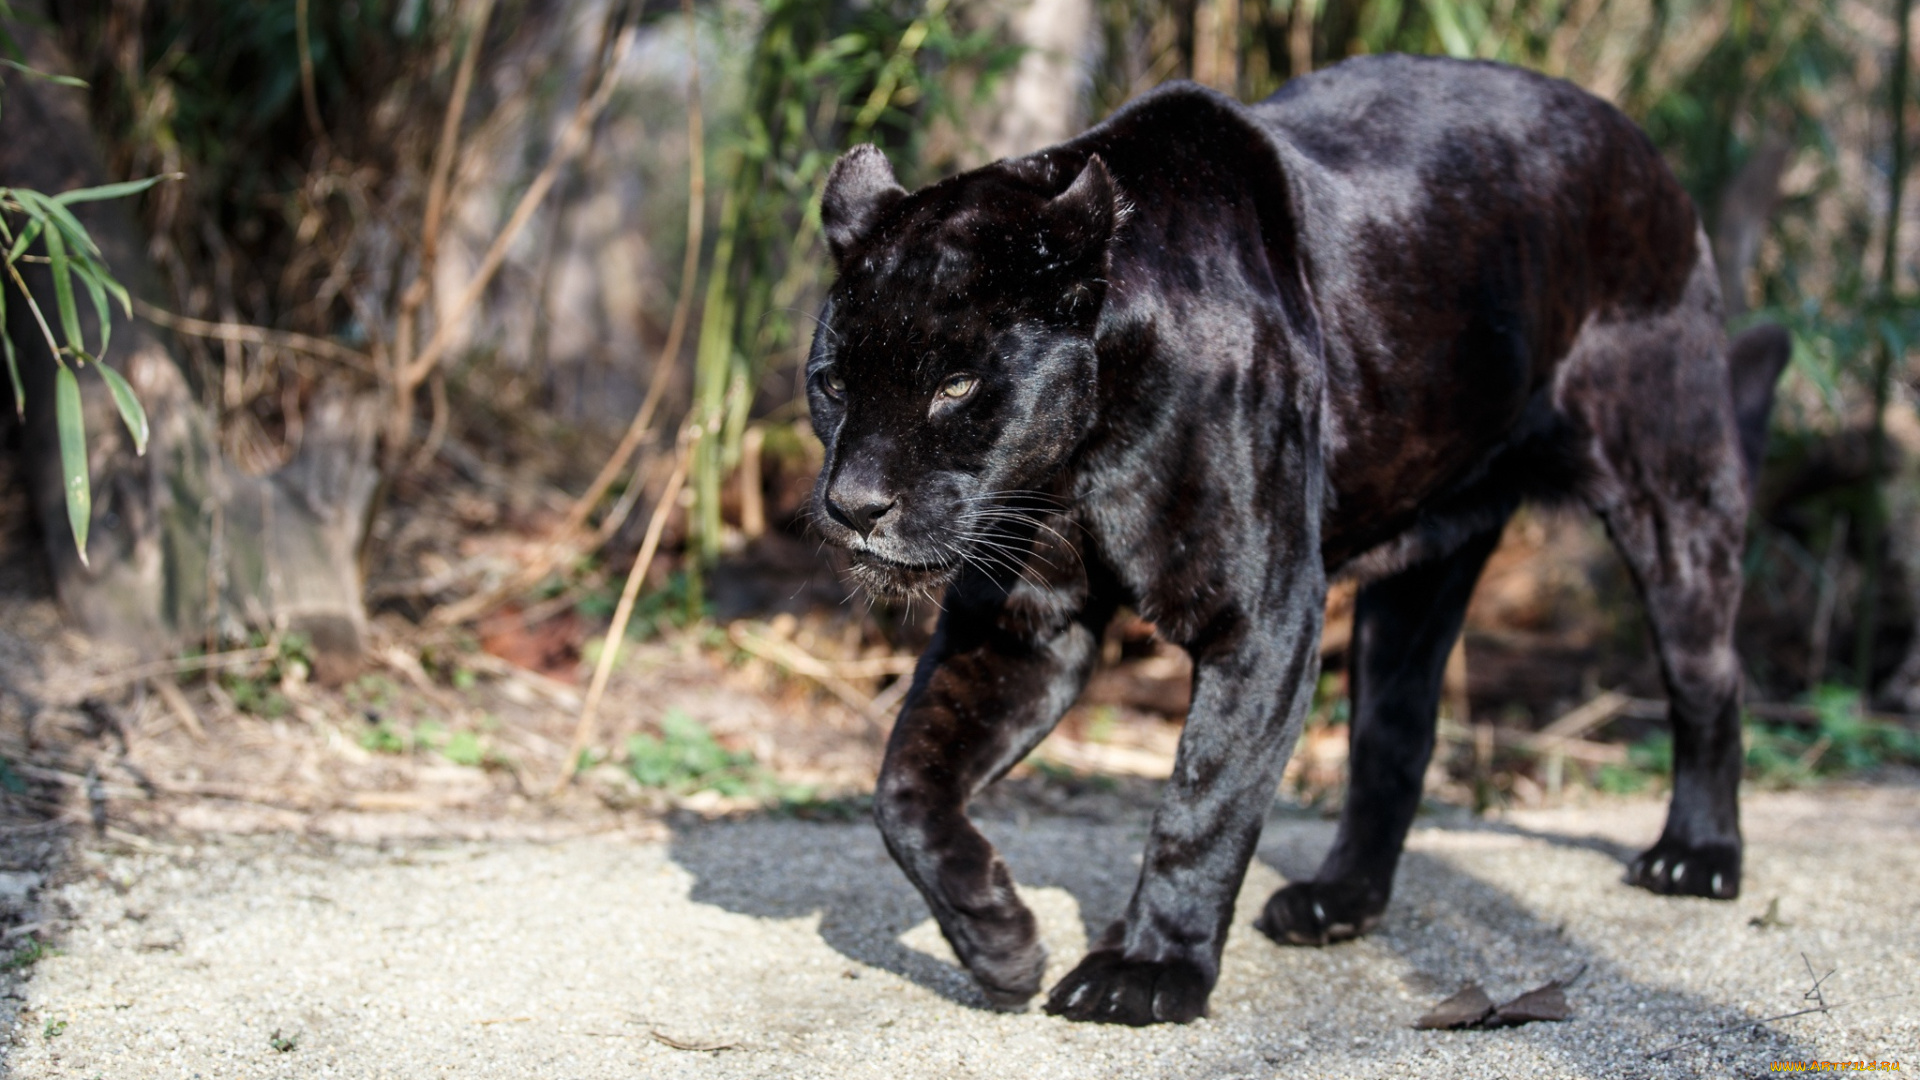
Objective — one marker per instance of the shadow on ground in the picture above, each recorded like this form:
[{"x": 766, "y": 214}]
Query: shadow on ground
[{"x": 1447, "y": 927}]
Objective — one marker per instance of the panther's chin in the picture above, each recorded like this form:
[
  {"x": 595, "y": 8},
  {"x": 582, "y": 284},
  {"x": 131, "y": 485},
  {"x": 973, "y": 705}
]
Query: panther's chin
[{"x": 897, "y": 581}]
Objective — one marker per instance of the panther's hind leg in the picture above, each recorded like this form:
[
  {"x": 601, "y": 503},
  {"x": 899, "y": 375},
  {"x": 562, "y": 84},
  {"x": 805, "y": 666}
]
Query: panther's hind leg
[
  {"x": 1403, "y": 628},
  {"x": 1653, "y": 394}
]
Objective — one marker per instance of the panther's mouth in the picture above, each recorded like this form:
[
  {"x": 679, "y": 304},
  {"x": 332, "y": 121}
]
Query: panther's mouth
[{"x": 898, "y": 580}]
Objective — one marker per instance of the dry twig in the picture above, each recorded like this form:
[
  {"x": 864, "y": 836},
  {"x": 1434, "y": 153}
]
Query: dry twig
[
  {"x": 617, "y": 633},
  {"x": 1593, "y": 753},
  {"x": 561, "y": 694},
  {"x": 832, "y": 676},
  {"x": 309, "y": 96},
  {"x": 572, "y": 140},
  {"x": 417, "y": 292},
  {"x": 1814, "y": 994},
  {"x": 212, "y": 661},
  {"x": 182, "y": 709},
  {"x": 564, "y": 547},
  {"x": 703, "y": 1046},
  {"x": 241, "y": 333}
]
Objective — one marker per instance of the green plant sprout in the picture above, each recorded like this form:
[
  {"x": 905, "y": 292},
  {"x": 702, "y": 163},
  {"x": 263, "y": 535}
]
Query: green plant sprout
[
  {"x": 385, "y": 737},
  {"x": 684, "y": 759},
  {"x": 24, "y": 956}
]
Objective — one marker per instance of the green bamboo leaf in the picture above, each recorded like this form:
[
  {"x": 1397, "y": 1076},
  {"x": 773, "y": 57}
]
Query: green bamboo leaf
[
  {"x": 13, "y": 363},
  {"x": 62, "y": 80},
  {"x": 77, "y": 237},
  {"x": 35, "y": 222},
  {"x": 112, "y": 191},
  {"x": 63, "y": 290},
  {"x": 91, "y": 273},
  {"x": 1807, "y": 361},
  {"x": 118, "y": 292},
  {"x": 13, "y": 372},
  {"x": 73, "y": 455},
  {"x": 130, "y": 410}
]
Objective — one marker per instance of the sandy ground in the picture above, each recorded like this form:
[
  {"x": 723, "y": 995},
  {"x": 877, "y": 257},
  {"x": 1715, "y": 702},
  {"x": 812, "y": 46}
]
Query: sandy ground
[{"x": 783, "y": 948}]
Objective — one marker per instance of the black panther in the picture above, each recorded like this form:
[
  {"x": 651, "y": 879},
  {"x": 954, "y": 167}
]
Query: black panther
[{"x": 1203, "y": 358}]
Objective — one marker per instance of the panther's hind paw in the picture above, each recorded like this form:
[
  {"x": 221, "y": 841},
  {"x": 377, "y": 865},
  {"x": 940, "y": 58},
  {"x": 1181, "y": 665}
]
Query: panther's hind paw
[
  {"x": 1320, "y": 912},
  {"x": 1678, "y": 869}
]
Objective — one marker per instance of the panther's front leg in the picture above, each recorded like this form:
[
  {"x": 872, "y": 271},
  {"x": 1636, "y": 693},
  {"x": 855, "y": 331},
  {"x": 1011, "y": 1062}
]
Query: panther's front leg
[
  {"x": 1001, "y": 671},
  {"x": 1253, "y": 685}
]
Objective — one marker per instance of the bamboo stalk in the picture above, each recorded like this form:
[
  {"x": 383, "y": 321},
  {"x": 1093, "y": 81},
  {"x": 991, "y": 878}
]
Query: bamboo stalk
[
  {"x": 711, "y": 364},
  {"x": 309, "y": 96}
]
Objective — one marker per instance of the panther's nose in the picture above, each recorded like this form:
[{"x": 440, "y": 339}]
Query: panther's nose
[{"x": 859, "y": 509}]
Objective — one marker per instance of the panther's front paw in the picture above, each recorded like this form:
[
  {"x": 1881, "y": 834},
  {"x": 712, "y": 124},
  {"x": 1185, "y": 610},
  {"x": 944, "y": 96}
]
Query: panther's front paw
[
  {"x": 1320, "y": 912},
  {"x": 1108, "y": 988},
  {"x": 1671, "y": 867},
  {"x": 1010, "y": 979}
]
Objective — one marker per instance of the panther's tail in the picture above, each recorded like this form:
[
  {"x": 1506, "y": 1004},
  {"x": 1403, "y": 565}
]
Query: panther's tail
[{"x": 1754, "y": 363}]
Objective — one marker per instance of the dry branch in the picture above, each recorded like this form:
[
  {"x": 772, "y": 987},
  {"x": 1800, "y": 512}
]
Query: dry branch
[
  {"x": 617, "y": 633},
  {"x": 309, "y": 96},
  {"x": 1577, "y": 722},
  {"x": 1593, "y": 753},
  {"x": 572, "y": 139},
  {"x": 449, "y": 138},
  {"x": 244, "y": 334},
  {"x": 417, "y": 292},
  {"x": 214, "y": 661},
  {"x": 555, "y": 691},
  {"x": 831, "y": 676},
  {"x": 682, "y": 304},
  {"x": 565, "y": 546},
  {"x": 182, "y": 709}
]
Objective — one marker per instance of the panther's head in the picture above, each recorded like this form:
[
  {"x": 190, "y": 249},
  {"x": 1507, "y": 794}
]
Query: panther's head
[{"x": 953, "y": 372}]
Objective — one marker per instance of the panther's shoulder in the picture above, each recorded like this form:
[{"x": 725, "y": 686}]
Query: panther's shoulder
[{"x": 1182, "y": 132}]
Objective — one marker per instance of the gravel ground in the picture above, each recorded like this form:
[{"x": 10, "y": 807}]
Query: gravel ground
[{"x": 784, "y": 948}]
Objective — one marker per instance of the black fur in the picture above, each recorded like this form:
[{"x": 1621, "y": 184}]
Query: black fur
[{"x": 1203, "y": 357}]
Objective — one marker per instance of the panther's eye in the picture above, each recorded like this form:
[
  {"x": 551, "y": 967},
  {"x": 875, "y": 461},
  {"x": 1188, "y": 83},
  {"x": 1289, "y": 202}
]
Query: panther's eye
[
  {"x": 958, "y": 387},
  {"x": 835, "y": 386}
]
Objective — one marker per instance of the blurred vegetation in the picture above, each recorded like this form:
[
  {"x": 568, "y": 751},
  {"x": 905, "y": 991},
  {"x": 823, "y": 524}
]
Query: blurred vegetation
[
  {"x": 76, "y": 266},
  {"x": 302, "y": 212},
  {"x": 822, "y": 77},
  {"x": 1843, "y": 741}
]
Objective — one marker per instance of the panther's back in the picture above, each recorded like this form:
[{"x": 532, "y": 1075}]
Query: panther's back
[
  {"x": 1464, "y": 222},
  {"x": 1481, "y": 148}
]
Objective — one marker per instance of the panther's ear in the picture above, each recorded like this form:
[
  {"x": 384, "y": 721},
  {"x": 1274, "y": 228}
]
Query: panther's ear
[
  {"x": 1081, "y": 220},
  {"x": 860, "y": 187}
]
